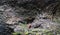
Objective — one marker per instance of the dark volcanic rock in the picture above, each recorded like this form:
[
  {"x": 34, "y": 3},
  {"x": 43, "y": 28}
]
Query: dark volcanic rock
[
  {"x": 4, "y": 29},
  {"x": 13, "y": 3}
]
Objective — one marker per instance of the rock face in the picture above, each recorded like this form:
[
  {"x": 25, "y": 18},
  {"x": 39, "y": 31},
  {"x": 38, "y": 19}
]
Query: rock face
[
  {"x": 44, "y": 23},
  {"x": 4, "y": 29},
  {"x": 14, "y": 11},
  {"x": 25, "y": 2},
  {"x": 13, "y": 20},
  {"x": 18, "y": 29}
]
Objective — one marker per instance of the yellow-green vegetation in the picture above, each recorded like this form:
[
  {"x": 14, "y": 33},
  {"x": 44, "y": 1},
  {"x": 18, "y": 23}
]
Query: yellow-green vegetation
[
  {"x": 34, "y": 31},
  {"x": 49, "y": 33},
  {"x": 15, "y": 33},
  {"x": 56, "y": 20}
]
